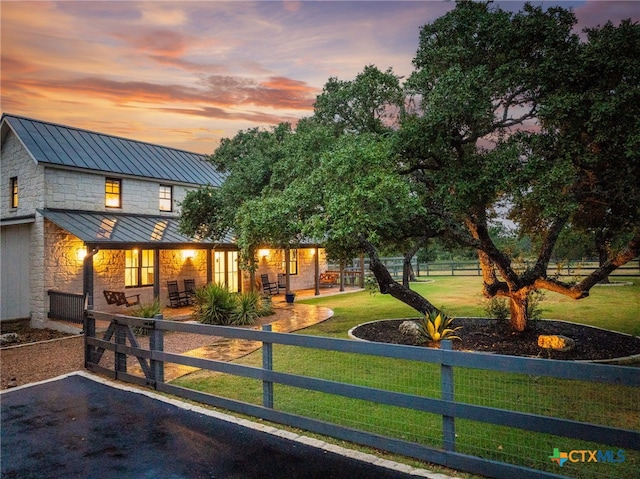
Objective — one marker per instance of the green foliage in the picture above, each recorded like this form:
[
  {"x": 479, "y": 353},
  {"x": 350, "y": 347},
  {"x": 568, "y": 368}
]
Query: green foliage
[
  {"x": 146, "y": 310},
  {"x": 434, "y": 327},
  {"x": 247, "y": 309},
  {"x": 215, "y": 304},
  {"x": 534, "y": 310},
  {"x": 497, "y": 308}
]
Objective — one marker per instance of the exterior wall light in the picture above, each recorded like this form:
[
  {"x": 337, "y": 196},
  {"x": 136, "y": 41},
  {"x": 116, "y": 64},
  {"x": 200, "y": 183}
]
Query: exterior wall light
[
  {"x": 263, "y": 253},
  {"x": 188, "y": 254},
  {"x": 81, "y": 253}
]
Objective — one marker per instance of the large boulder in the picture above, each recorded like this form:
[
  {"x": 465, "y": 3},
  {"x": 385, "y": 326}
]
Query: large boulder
[{"x": 556, "y": 342}]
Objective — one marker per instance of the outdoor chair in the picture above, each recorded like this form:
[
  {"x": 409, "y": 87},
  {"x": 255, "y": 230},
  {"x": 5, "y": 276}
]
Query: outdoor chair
[
  {"x": 190, "y": 287},
  {"x": 177, "y": 298},
  {"x": 268, "y": 287},
  {"x": 282, "y": 281}
]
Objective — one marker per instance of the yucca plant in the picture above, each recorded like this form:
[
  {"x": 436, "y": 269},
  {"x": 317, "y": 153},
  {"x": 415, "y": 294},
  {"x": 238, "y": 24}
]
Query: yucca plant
[
  {"x": 146, "y": 310},
  {"x": 434, "y": 327},
  {"x": 215, "y": 304},
  {"x": 247, "y": 308}
]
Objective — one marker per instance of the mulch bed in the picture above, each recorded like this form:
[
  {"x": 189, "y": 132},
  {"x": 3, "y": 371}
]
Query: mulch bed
[{"x": 490, "y": 336}]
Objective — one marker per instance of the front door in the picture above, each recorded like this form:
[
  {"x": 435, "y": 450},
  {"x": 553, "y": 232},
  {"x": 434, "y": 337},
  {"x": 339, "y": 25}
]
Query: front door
[{"x": 225, "y": 269}]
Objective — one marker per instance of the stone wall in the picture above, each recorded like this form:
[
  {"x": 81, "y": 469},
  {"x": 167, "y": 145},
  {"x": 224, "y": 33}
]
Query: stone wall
[
  {"x": 272, "y": 264},
  {"x": 85, "y": 191}
]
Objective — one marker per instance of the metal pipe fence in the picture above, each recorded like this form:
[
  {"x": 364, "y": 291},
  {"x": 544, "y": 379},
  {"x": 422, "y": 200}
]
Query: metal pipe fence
[
  {"x": 493, "y": 415},
  {"x": 66, "y": 306}
]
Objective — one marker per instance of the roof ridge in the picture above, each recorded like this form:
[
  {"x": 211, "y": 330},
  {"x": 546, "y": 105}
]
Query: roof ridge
[{"x": 93, "y": 132}]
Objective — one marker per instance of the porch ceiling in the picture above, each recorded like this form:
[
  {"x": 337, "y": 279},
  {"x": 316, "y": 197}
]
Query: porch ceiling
[{"x": 119, "y": 230}]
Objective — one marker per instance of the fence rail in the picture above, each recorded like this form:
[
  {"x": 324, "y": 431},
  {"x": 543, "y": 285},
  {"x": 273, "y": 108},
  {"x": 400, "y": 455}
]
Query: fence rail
[
  {"x": 66, "y": 306},
  {"x": 472, "y": 268},
  {"x": 448, "y": 362}
]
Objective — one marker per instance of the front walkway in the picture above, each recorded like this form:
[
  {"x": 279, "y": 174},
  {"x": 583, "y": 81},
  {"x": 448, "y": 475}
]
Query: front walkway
[{"x": 287, "y": 318}]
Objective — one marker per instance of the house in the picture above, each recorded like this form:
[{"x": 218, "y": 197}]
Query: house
[{"x": 82, "y": 213}]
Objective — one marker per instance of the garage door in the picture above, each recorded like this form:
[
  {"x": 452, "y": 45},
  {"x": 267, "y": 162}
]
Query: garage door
[{"x": 14, "y": 272}]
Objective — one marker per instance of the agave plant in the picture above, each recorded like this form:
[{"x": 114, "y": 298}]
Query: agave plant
[{"x": 435, "y": 327}]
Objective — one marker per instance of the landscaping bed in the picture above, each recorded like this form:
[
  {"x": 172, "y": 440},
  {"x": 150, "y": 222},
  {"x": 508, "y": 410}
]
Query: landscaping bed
[{"x": 490, "y": 336}]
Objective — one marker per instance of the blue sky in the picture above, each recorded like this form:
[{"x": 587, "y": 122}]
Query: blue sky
[{"x": 186, "y": 74}]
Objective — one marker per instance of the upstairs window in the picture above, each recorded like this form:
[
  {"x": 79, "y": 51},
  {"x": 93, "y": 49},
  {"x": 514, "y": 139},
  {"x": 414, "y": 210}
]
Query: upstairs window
[
  {"x": 112, "y": 193},
  {"x": 165, "y": 198},
  {"x": 14, "y": 192},
  {"x": 138, "y": 267}
]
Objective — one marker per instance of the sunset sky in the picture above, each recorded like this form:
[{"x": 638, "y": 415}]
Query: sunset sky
[{"x": 186, "y": 74}]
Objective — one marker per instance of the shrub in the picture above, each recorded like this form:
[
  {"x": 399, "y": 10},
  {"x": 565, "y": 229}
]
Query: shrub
[
  {"x": 434, "y": 327},
  {"x": 145, "y": 310},
  {"x": 215, "y": 304},
  {"x": 497, "y": 308},
  {"x": 247, "y": 308}
]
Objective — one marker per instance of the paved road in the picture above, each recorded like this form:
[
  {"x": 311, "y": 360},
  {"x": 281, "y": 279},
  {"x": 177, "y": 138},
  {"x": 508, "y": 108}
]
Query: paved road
[{"x": 77, "y": 427}]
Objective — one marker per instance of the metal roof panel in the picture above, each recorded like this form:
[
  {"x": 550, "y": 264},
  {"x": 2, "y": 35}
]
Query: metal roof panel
[
  {"x": 112, "y": 229},
  {"x": 73, "y": 147}
]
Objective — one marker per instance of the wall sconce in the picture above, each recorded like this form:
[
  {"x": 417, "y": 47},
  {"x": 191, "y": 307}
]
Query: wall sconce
[
  {"x": 188, "y": 254},
  {"x": 81, "y": 253},
  {"x": 263, "y": 253}
]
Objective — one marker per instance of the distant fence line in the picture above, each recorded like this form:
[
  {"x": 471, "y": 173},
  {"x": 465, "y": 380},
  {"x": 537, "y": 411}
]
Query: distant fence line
[{"x": 472, "y": 268}]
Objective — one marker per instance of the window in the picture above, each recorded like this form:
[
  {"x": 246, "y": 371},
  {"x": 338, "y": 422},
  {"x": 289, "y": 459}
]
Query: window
[
  {"x": 112, "y": 190},
  {"x": 165, "y": 197},
  {"x": 138, "y": 267},
  {"x": 14, "y": 192},
  {"x": 293, "y": 261}
]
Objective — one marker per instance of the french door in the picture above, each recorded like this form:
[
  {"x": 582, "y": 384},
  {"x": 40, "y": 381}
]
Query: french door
[{"x": 225, "y": 269}]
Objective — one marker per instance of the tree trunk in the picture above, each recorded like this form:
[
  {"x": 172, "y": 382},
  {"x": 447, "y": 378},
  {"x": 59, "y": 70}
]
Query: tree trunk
[
  {"x": 390, "y": 286},
  {"x": 603, "y": 252},
  {"x": 407, "y": 270},
  {"x": 518, "y": 307}
]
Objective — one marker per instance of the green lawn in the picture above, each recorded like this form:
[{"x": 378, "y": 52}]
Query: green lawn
[{"x": 614, "y": 308}]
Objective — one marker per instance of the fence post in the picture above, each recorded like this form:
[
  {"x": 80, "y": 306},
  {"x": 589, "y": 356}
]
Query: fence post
[
  {"x": 120, "y": 358},
  {"x": 156, "y": 343},
  {"x": 446, "y": 385},
  {"x": 267, "y": 363},
  {"x": 89, "y": 332}
]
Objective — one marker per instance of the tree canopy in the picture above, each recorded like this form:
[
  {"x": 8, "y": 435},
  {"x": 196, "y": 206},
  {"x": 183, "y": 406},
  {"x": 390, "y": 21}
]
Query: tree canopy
[{"x": 504, "y": 112}]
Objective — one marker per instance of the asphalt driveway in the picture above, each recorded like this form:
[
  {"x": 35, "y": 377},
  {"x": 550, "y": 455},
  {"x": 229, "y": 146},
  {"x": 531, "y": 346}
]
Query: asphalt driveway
[{"x": 77, "y": 427}]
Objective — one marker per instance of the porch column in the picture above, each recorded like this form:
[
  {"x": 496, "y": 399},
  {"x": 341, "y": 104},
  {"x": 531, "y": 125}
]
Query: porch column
[
  {"x": 287, "y": 270},
  {"x": 316, "y": 276},
  {"x": 87, "y": 275},
  {"x": 209, "y": 265},
  {"x": 156, "y": 273}
]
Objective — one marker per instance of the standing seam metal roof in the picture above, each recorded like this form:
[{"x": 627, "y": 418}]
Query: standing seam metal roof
[{"x": 72, "y": 147}]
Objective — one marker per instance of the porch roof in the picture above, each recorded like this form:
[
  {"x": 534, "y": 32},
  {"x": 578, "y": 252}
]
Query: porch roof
[{"x": 121, "y": 230}]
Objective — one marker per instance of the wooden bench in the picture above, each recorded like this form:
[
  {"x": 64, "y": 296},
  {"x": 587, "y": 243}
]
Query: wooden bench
[
  {"x": 329, "y": 278},
  {"x": 119, "y": 298}
]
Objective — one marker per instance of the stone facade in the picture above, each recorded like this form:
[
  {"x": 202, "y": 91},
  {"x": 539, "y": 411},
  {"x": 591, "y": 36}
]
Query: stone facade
[{"x": 53, "y": 256}]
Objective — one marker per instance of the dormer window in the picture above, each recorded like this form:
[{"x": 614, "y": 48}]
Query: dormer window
[
  {"x": 166, "y": 198},
  {"x": 14, "y": 192},
  {"x": 112, "y": 193}
]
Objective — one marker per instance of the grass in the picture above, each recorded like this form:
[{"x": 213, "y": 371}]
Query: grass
[{"x": 612, "y": 308}]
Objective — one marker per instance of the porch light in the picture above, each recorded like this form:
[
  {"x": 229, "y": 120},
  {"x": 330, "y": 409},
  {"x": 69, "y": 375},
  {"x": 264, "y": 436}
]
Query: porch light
[
  {"x": 81, "y": 253},
  {"x": 188, "y": 254},
  {"x": 263, "y": 253}
]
